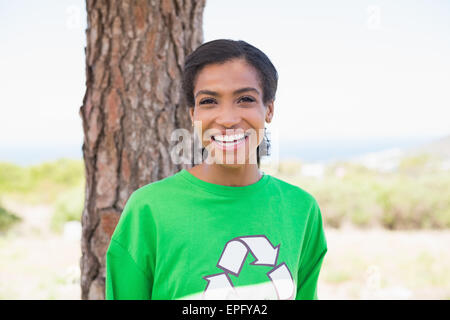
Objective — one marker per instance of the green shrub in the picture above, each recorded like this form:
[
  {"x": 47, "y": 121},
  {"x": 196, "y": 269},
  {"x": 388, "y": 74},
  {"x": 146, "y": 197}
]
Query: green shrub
[
  {"x": 419, "y": 163},
  {"x": 291, "y": 168},
  {"x": 416, "y": 203},
  {"x": 68, "y": 207},
  {"x": 13, "y": 178},
  {"x": 63, "y": 172},
  {"x": 405, "y": 199},
  {"x": 41, "y": 183},
  {"x": 7, "y": 220}
]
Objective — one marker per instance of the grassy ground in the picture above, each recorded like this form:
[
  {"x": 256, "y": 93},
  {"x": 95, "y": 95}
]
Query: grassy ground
[
  {"x": 36, "y": 263},
  {"x": 381, "y": 264}
]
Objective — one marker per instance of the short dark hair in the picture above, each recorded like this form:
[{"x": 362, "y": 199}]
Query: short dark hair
[{"x": 223, "y": 50}]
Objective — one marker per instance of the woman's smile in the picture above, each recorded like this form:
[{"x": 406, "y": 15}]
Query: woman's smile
[{"x": 229, "y": 143}]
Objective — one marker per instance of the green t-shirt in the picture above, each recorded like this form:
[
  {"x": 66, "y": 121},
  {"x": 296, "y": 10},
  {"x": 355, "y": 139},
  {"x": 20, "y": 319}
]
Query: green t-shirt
[{"x": 185, "y": 238}]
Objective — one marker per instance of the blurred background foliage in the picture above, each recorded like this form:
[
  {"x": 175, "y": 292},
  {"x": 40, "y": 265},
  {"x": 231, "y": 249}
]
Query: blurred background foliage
[
  {"x": 7, "y": 219},
  {"x": 59, "y": 184},
  {"x": 416, "y": 195},
  {"x": 413, "y": 196},
  {"x": 42, "y": 182}
]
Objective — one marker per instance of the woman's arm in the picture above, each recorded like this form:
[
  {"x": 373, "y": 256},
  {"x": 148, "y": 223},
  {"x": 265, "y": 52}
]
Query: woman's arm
[
  {"x": 131, "y": 252},
  {"x": 124, "y": 279},
  {"x": 312, "y": 256}
]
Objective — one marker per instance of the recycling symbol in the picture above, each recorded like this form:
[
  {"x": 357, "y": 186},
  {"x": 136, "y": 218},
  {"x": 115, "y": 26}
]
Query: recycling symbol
[{"x": 232, "y": 260}]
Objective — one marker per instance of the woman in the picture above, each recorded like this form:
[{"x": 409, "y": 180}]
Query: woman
[{"x": 222, "y": 229}]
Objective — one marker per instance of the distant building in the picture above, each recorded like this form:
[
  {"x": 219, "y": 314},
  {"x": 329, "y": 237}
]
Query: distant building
[
  {"x": 445, "y": 165},
  {"x": 316, "y": 170},
  {"x": 384, "y": 161},
  {"x": 340, "y": 172}
]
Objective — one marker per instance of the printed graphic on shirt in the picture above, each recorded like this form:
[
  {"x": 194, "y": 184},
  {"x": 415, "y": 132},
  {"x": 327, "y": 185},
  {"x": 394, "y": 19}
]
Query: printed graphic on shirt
[{"x": 231, "y": 261}]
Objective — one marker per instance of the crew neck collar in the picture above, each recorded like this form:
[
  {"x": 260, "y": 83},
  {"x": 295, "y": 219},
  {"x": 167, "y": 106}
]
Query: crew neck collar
[{"x": 225, "y": 190}]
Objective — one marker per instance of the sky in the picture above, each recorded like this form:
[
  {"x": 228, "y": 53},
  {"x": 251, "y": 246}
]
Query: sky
[{"x": 355, "y": 70}]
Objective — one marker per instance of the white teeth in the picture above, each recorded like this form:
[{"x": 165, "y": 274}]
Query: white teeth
[{"x": 229, "y": 138}]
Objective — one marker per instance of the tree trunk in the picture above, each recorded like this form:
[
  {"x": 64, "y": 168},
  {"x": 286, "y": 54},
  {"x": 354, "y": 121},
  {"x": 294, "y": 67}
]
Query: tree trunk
[{"x": 134, "y": 58}]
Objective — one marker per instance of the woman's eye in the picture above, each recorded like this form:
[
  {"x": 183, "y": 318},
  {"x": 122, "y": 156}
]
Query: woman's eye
[
  {"x": 207, "y": 101},
  {"x": 246, "y": 99}
]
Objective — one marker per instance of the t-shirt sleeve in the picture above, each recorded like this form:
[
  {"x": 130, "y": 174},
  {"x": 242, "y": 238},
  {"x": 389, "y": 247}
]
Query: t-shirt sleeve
[
  {"x": 311, "y": 258},
  {"x": 124, "y": 279},
  {"x": 131, "y": 254}
]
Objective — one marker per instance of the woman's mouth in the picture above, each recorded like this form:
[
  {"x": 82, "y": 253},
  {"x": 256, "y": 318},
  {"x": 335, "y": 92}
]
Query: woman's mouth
[{"x": 228, "y": 143}]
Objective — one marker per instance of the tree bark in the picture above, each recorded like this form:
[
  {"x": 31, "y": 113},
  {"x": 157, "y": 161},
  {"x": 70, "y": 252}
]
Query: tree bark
[{"x": 134, "y": 59}]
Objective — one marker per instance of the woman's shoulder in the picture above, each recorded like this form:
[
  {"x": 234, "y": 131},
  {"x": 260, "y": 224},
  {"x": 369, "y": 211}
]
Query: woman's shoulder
[
  {"x": 299, "y": 198},
  {"x": 292, "y": 190},
  {"x": 157, "y": 189}
]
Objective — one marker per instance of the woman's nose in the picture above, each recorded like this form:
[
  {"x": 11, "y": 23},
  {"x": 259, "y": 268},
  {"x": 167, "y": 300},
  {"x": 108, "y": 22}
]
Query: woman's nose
[{"x": 228, "y": 117}]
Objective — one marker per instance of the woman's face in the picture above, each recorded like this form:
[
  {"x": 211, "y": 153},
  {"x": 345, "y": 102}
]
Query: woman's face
[{"x": 229, "y": 112}]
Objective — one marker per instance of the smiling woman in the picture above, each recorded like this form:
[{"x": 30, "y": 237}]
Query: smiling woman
[
  {"x": 222, "y": 229},
  {"x": 230, "y": 88}
]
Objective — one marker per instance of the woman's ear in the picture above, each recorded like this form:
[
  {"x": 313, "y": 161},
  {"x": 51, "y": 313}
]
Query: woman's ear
[
  {"x": 269, "y": 111},
  {"x": 191, "y": 114}
]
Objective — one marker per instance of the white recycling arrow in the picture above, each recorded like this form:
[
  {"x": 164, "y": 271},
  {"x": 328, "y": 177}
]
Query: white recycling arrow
[
  {"x": 232, "y": 260},
  {"x": 262, "y": 250},
  {"x": 282, "y": 280},
  {"x": 236, "y": 250},
  {"x": 233, "y": 257},
  {"x": 218, "y": 287}
]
